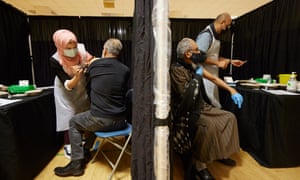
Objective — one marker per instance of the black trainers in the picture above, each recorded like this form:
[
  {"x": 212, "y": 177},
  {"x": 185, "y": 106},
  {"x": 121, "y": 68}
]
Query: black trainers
[{"x": 74, "y": 168}]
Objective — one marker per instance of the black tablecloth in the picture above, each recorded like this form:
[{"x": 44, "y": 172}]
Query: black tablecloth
[
  {"x": 269, "y": 126},
  {"x": 28, "y": 137}
]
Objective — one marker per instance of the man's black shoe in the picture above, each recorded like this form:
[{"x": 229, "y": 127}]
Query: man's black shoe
[
  {"x": 87, "y": 156},
  {"x": 227, "y": 162},
  {"x": 74, "y": 168},
  {"x": 205, "y": 175}
]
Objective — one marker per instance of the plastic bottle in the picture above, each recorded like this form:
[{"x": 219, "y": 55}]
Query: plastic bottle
[{"x": 292, "y": 82}]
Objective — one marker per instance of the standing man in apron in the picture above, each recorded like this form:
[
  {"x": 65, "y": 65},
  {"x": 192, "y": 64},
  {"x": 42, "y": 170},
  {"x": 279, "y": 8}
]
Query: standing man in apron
[{"x": 208, "y": 42}]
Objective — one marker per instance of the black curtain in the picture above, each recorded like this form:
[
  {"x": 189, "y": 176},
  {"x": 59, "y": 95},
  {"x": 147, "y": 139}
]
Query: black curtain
[
  {"x": 14, "y": 56},
  {"x": 269, "y": 39},
  {"x": 41, "y": 30},
  {"x": 186, "y": 28},
  {"x": 143, "y": 132},
  {"x": 191, "y": 28},
  {"x": 93, "y": 32}
]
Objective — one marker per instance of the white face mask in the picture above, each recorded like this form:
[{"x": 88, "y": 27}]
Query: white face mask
[{"x": 70, "y": 52}]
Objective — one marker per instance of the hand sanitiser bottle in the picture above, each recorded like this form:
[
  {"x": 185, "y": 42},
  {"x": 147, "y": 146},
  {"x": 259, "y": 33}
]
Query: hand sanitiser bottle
[{"x": 292, "y": 83}]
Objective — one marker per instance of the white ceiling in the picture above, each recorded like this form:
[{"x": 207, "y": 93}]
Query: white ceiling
[{"x": 125, "y": 8}]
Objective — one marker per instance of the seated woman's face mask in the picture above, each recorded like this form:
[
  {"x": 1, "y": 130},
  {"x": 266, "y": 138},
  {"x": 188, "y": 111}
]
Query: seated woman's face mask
[{"x": 70, "y": 52}]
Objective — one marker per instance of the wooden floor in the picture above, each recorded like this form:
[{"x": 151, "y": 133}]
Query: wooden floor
[{"x": 247, "y": 169}]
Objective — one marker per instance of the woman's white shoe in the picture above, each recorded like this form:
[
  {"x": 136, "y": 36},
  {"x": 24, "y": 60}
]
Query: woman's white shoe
[{"x": 67, "y": 151}]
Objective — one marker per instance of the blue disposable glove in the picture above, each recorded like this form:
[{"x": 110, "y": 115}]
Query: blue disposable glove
[
  {"x": 199, "y": 71},
  {"x": 237, "y": 99}
]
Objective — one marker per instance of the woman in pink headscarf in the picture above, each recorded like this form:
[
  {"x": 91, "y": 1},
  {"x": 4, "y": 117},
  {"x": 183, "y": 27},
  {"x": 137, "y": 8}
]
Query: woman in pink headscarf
[{"x": 70, "y": 94}]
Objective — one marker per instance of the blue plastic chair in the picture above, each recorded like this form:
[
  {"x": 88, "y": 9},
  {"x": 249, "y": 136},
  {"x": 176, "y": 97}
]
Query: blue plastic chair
[{"x": 111, "y": 137}]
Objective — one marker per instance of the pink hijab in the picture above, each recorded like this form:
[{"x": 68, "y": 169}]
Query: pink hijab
[{"x": 61, "y": 38}]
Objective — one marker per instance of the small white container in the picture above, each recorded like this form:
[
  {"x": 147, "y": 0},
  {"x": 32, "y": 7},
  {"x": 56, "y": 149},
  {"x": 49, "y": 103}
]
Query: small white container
[
  {"x": 298, "y": 86},
  {"x": 268, "y": 78},
  {"x": 292, "y": 82},
  {"x": 23, "y": 82}
]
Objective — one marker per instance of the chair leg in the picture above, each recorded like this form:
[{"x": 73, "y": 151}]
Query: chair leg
[
  {"x": 98, "y": 150},
  {"x": 120, "y": 156}
]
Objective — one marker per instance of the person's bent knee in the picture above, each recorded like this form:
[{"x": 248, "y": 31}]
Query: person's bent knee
[{"x": 72, "y": 122}]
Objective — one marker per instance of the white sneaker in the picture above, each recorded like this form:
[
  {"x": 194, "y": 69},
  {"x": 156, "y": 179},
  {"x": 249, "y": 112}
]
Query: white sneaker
[{"x": 67, "y": 151}]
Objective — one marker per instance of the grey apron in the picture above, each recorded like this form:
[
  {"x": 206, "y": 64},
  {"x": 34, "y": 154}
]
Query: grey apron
[{"x": 212, "y": 89}]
